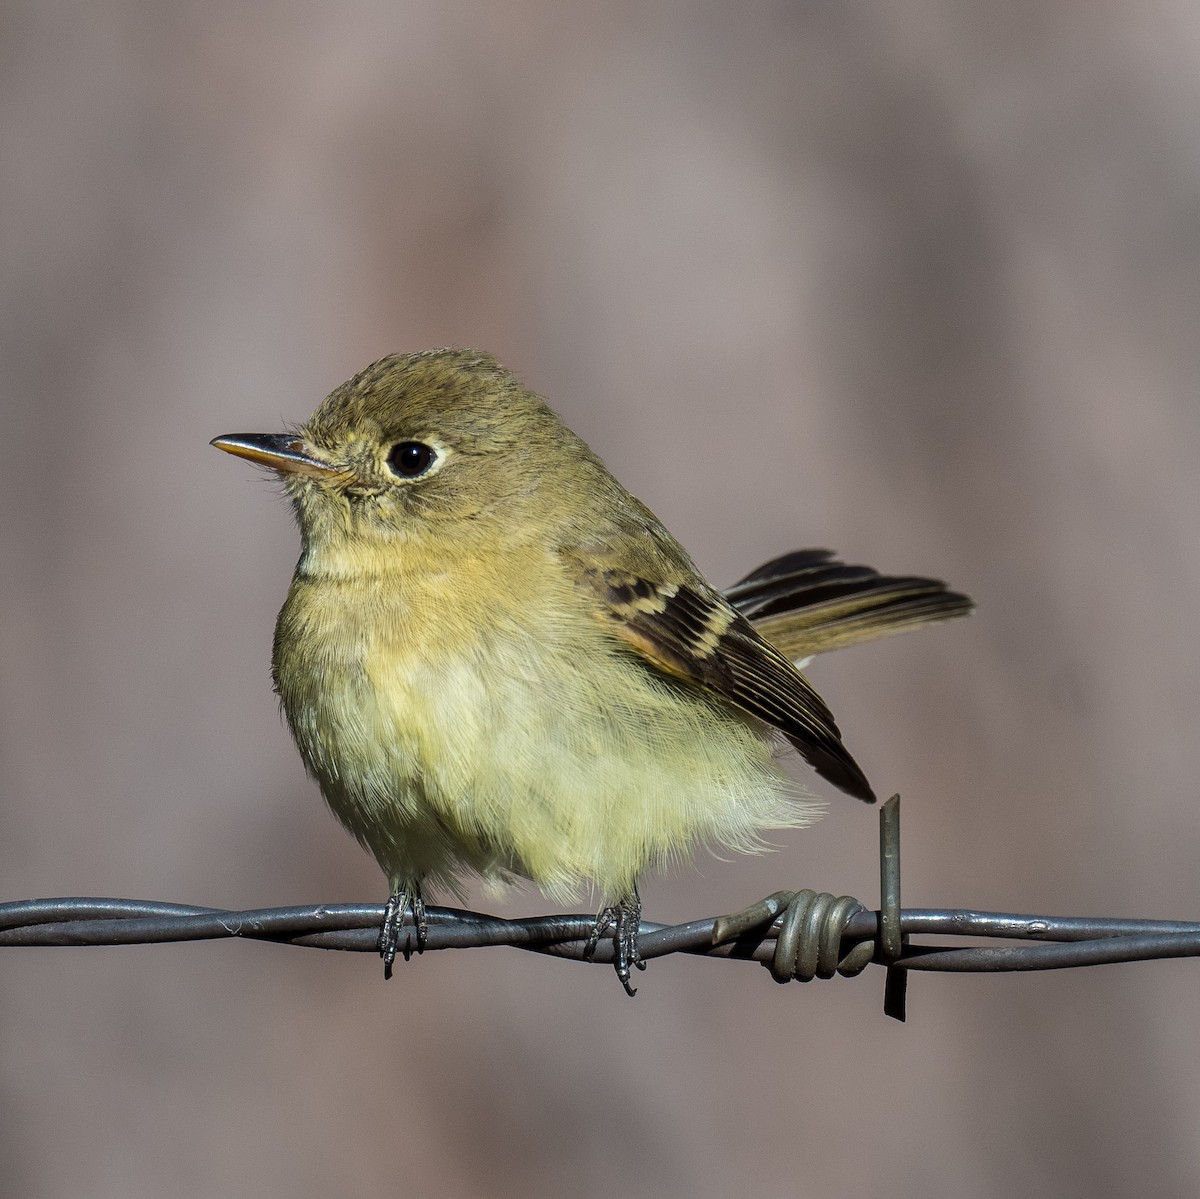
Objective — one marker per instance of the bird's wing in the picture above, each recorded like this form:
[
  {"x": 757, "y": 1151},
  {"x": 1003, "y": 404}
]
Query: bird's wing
[{"x": 689, "y": 631}]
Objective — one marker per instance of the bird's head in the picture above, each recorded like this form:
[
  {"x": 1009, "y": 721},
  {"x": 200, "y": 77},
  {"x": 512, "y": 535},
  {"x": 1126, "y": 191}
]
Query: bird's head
[{"x": 445, "y": 444}]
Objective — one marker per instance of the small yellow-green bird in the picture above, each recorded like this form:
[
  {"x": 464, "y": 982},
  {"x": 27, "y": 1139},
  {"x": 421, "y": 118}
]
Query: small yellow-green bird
[{"x": 496, "y": 660}]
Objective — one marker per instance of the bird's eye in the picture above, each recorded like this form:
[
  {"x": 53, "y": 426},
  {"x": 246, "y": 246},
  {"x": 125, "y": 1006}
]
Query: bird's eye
[{"x": 408, "y": 459}]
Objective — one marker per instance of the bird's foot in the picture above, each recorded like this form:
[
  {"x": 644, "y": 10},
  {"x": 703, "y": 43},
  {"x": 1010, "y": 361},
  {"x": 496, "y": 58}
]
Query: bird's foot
[
  {"x": 624, "y": 918},
  {"x": 404, "y": 900}
]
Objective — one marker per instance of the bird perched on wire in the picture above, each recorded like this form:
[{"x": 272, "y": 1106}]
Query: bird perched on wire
[{"x": 496, "y": 660}]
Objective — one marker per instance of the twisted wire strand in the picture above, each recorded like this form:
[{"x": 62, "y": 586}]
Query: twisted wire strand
[
  {"x": 1049, "y": 942},
  {"x": 800, "y": 935}
]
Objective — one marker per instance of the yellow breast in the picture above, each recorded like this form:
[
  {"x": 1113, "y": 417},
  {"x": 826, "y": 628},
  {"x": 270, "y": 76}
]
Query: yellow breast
[{"x": 481, "y": 717}]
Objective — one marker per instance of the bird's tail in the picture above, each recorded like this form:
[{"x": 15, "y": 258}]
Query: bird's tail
[{"x": 807, "y": 602}]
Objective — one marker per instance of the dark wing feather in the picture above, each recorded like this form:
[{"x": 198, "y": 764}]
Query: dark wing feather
[
  {"x": 692, "y": 633},
  {"x": 786, "y": 564},
  {"x": 807, "y": 602}
]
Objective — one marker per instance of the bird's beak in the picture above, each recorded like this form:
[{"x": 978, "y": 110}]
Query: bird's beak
[{"x": 282, "y": 452}]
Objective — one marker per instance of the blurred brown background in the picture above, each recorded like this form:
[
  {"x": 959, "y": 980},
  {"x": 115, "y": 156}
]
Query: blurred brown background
[{"x": 918, "y": 281}]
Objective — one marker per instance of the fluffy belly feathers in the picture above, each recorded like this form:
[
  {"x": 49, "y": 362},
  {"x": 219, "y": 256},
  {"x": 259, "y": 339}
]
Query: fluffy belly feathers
[{"x": 418, "y": 728}]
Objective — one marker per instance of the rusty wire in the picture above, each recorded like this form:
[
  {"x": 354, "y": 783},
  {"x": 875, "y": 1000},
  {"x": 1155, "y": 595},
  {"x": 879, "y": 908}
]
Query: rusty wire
[{"x": 800, "y": 935}]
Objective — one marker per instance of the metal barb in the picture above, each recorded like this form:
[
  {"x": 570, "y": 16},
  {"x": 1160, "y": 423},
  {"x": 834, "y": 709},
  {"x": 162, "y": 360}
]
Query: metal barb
[{"x": 891, "y": 935}]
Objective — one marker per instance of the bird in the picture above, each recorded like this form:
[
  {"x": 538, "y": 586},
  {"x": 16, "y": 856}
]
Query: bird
[{"x": 497, "y": 662}]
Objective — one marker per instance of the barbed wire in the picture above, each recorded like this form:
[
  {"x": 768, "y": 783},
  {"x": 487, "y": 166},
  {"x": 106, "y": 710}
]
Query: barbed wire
[{"x": 800, "y": 935}]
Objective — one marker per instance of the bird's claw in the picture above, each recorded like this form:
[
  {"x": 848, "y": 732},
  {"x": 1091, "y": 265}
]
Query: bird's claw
[
  {"x": 401, "y": 902},
  {"x": 624, "y": 918}
]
